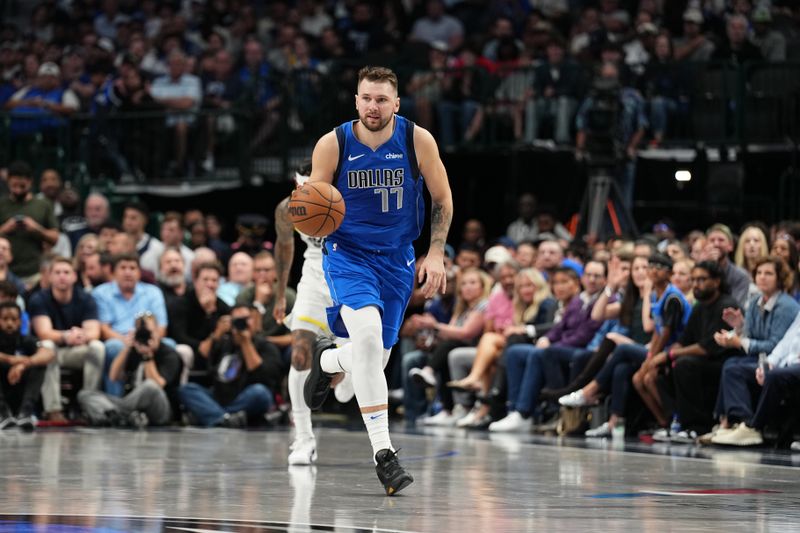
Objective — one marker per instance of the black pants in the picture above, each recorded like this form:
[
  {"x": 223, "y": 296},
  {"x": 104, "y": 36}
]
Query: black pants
[
  {"x": 779, "y": 383},
  {"x": 696, "y": 381},
  {"x": 22, "y": 397},
  {"x": 437, "y": 359}
]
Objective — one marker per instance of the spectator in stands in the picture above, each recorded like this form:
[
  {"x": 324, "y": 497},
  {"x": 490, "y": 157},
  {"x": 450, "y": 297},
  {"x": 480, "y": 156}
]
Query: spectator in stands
[
  {"x": 119, "y": 302},
  {"x": 258, "y": 88},
  {"x": 524, "y": 227},
  {"x": 172, "y": 280},
  {"x": 50, "y": 186},
  {"x": 67, "y": 317},
  {"x": 221, "y": 90},
  {"x": 96, "y": 212},
  {"x": 261, "y": 295},
  {"x": 426, "y": 85},
  {"x": 526, "y": 254},
  {"x": 682, "y": 278},
  {"x": 752, "y": 247},
  {"x": 547, "y": 224},
  {"x": 718, "y": 248},
  {"x": 524, "y": 363},
  {"x": 134, "y": 221},
  {"x": 27, "y": 222},
  {"x": 641, "y": 49},
  {"x": 694, "y": 46},
  {"x": 5, "y": 260},
  {"x": 602, "y": 139},
  {"x": 736, "y": 49},
  {"x": 474, "y": 234},
  {"x": 172, "y": 237},
  {"x": 21, "y": 374},
  {"x": 87, "y": 245},
  {"x": 179, "y": 92},
  {"x": 676, "y": 250},
  {"x": 91, "y": 273},
  {"x": 215, "y": 242},
  {"x": 460, "y": 110},
  {"x": 365, "y": 33},
  {"x": 243, "y": 367},
  {"x": 663, "y": 86},
  {"x": 240, "y": 275},
  {"x": 532, "y": 309},
  {"x": 768, "y": 319},
  {"x": 695, "y": 360},
  {"x": 198, "y": 312},
  {"x": 502, "y": 30},
  {"x": 148, "y": 371},
  {"x": 468, "y": 256},
  {"x": 40, "y": 107},
  {"x": 549, "y": 256},
  {"x": 106, "y": 22},
  {"x": 784, "y": 246},
  {"x": 557, "y": 87},
  {"x": 436, "y": 25},
  {"x": 771, "y": 43},
  {"x": 464, "y": 329}
]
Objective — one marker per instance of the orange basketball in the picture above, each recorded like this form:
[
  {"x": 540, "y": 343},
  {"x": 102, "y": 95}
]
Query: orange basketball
[{"x": 316, "y": 209}]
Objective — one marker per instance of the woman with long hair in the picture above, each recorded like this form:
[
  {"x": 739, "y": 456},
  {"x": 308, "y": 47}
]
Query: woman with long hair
[
  {"x": 785, "y": 247},
  {"x": 752, "y": 246},
  {"x": 682, "y": 278},
  {"x": 464, "y": 328},
  {"x": 533, "y": 305}
]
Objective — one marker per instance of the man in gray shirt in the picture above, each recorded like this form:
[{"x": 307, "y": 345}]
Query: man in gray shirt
[{"x": 718, "y": 248}]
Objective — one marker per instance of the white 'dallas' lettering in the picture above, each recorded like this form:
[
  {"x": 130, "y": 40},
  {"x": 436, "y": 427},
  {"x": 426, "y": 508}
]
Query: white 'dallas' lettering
[{"x": 377, "y": 177}]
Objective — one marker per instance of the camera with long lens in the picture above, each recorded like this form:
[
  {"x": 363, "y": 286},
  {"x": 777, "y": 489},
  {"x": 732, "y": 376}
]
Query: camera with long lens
[
  {"x": 602, "y": 120},
  {"x": 240, "y": 323}
]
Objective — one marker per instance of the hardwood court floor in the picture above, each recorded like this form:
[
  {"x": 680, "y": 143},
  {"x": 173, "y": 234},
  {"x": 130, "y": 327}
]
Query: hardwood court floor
[{"x": 229, "y": 480}]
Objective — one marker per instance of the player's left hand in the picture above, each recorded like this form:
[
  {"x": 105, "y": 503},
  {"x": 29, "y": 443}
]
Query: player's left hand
[
  {"x": 433, "y": 275},
  {"x": 279, "y": 311}
]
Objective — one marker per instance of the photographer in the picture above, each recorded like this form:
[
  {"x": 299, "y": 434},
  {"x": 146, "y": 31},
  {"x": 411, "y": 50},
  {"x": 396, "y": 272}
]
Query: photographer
[
  {"x": 611, "y": 123},
  {"x": 149, "y": 371},
  {"x": 244, "y": 367}
]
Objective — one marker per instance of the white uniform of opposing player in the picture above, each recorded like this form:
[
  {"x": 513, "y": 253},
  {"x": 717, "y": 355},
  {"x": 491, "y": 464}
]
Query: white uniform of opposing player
[{"x": 307, "y": 320}]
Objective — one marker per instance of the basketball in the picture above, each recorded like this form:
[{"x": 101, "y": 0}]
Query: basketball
[{"x": 316, "y": 209}]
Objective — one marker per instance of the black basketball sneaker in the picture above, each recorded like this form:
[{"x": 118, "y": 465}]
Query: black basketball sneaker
[
  {"x": 392, "y": 475},
  {"x": 318, "y": 382}
]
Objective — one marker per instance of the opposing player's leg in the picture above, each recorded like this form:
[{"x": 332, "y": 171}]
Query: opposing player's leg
[{"x": 304, "y": 447}]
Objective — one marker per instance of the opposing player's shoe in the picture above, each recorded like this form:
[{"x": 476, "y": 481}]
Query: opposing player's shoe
[
  {"x": 304, "y": 451},
  {"x": 392, "y": 475},
  {"x": 318, "y": 382},
  {"x": 344, "y": 391}
]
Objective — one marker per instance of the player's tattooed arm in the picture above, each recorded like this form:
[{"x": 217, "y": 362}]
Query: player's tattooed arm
[
  {"x": 284, "y": 255},
  {"x": 441, "y": 217}
]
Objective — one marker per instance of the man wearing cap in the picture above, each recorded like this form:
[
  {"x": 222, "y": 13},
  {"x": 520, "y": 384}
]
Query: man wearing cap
[
  {"x": 772, "y": 43},
  {"x": 639, "y": 51},
  {"x": 38, "y": 108},
  {"x": 694, "y": 46},
  {"x": 719, "y": 245}
]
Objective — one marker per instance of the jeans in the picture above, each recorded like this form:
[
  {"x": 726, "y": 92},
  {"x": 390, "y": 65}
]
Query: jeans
[
  {"x": 737, "y": 388},
  {"x": 660, "y": 109},
  {"x": 561, "y": 362},
  {"x": 525, "y": 373},
  {"x": 559, "y": 108},
  {"x": 113, "y": 347},
  {"x": 255, "y": 400},
  {"x": 615, "y": 376},
  {"x": 414, "y": 399},
  {"x": 778, "y": 383}
]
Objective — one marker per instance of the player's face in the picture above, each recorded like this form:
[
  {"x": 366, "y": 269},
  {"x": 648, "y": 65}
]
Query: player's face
[{"x": 376, "y": 102}]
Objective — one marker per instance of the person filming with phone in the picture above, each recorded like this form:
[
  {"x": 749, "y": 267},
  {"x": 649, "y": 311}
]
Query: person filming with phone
[{"x": 244, "y": 369}]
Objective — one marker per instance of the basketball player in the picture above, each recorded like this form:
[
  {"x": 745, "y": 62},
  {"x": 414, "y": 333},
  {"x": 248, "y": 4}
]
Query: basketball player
[
  {"x": 378, "y": 163},
  {"x": 308, "y": 319}
]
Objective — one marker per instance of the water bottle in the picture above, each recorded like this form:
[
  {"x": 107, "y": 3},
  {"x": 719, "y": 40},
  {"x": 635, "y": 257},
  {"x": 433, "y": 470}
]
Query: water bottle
[{"x": 675, "y": 426}]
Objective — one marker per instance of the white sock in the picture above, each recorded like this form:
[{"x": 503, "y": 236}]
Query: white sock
[
  {"x": 369, "y": 383},
  {"x": 300, "y": 411},
  {"x": 337, "y": 360}
]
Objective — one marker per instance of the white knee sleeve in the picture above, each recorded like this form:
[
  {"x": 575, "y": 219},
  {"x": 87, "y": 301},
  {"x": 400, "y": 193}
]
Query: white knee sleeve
[{"x": 366, "y": 336}]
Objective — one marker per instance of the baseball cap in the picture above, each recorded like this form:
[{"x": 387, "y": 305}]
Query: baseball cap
[
  {"x": 762, "y": 14},
  {"x": 49, "y": 69},
  {"x": 693, "y": 15},
  {"x": 661, "y": 261},
  {"x": 497, "y": 255}
]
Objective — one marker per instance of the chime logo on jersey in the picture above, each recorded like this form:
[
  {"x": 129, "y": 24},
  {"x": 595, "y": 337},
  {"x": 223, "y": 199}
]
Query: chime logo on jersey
[{"x": 375, "y": 178}]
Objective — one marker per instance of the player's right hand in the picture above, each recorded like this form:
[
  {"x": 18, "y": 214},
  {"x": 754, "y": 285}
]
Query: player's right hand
[{"x": 279, "y": 312}]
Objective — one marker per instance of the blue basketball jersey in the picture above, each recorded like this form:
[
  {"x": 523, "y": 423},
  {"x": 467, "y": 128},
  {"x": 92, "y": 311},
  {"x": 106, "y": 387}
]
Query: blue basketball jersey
[{"x": 382, "y": 190}]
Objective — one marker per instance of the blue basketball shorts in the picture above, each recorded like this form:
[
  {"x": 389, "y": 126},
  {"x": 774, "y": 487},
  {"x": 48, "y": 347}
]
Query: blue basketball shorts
[{"x": 359, "y": 278}]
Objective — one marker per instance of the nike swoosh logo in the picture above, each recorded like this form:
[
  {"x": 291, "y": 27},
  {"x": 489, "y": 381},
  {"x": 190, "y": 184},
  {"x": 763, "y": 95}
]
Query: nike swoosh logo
[
  {"x": 409, "y": 262},
  {"x": 375, "y": 416},
  {"x": 351, "y": 158}
]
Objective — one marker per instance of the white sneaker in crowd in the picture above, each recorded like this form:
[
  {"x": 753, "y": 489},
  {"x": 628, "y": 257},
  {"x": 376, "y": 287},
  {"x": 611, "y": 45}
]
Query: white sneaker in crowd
[
  {"x": 423, "y": 376},
  {"x": 573, "y": 399},
  {"x": 743, "y": 435},
  {"x": 514, "y": 422},
  {"x": 600, "y": 432}
]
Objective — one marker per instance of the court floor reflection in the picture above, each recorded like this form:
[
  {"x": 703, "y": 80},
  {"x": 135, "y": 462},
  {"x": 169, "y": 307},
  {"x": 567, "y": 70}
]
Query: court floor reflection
[{"x": 228, "y": 480}]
